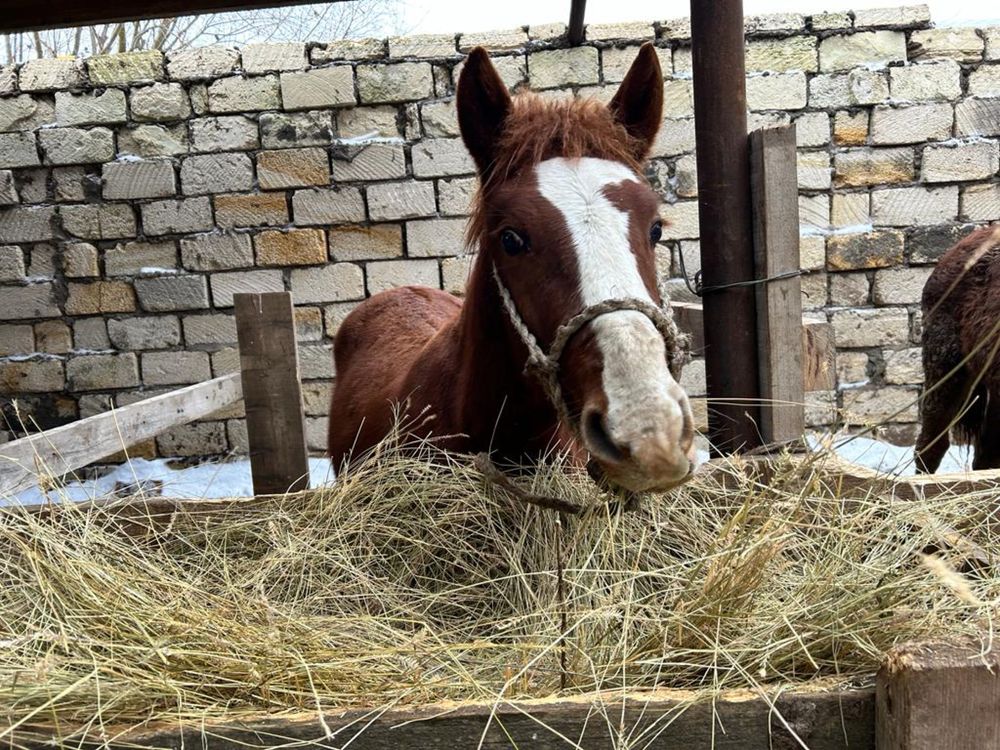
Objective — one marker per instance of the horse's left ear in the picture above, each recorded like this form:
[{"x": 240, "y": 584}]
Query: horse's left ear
[
  {"x": 483, "y": 103},
  {"x": 638, "y": 105}
]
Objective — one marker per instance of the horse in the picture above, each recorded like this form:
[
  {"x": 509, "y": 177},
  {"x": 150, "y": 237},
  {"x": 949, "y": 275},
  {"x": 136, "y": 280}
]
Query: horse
[
  {"x": 960, "y": 340},
  {"x": 561, "y": 342}
]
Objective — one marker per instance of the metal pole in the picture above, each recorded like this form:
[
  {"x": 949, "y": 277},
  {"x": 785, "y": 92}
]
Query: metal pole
[
  {"x": 726, "y": 223},
  {"x": 576, "y": 13}
]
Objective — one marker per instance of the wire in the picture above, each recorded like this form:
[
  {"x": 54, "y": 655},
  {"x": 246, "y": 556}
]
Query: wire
[{"x": 700, "y": 290}]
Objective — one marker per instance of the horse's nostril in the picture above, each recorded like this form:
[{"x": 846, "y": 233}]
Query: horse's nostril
[{"x": 598, "y": 440}]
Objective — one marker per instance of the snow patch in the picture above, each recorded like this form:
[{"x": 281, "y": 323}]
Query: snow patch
[
  {"x": 810, "y": 230},
  {"x": 32, "y": 357},
  {"x": 366, "y": 138},
  {"x": 888, "y": 458},
  {"x": 853, "y": 386},
  {"x": 208, "y": 480}
]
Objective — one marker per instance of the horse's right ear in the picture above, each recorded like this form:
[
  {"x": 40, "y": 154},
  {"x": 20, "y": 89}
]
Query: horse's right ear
[
  {"x": 483, "y": 104},
  {"x": 638, "y": 104}
]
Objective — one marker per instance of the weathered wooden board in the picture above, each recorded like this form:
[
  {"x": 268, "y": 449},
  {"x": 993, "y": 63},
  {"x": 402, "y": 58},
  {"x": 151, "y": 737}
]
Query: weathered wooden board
[
  {"x": 272, "y": 392},
  {"x": 818, "y": 346},
  {"x": 690, "y": 318},
  {"x": 64, "y": 449},
  {"x": 852, "y": 476},
  {"x": 775, "y": 196},
  {"x": 940, "y": 696},
  {"x": 818, "y": 720},
  {"x": 819, "y": 356}
]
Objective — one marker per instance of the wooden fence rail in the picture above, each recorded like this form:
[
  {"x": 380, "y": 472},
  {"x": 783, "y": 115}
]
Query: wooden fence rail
[
  {"x": 268, "y": 382},
  {"x": 62, "y": 450}
]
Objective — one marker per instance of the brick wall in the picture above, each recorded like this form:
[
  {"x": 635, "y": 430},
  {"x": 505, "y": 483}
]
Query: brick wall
[{"x": 138, "y": 192}]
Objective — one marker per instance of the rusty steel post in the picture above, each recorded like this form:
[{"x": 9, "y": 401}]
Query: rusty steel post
[{"x": 725, "y": 219}]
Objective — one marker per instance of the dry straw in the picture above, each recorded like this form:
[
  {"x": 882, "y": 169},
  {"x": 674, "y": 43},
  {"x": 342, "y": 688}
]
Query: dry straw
[{"x": 414, "y": 580}]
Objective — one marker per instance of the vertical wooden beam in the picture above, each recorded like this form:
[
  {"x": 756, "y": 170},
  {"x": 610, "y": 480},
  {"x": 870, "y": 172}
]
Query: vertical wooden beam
[
  {"x": 725, "y": 219},
  {"x": 939, "y": 696},
  {"x": 775, "y": 195},
  {"x": 272, "y": 392},
  {"x": 577, "y": 11}
]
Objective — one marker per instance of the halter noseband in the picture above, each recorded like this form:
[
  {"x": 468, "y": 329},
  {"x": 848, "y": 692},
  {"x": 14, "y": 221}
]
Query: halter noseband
[{"x": 545, "y": 366}]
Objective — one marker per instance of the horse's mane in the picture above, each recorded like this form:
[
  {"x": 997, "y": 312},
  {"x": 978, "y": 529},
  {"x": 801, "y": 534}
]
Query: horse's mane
[{"x": 537, "y": 129}]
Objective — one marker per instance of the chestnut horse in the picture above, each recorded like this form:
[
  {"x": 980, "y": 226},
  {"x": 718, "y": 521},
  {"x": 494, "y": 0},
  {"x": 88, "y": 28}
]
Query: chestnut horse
[
  {"x": 961, "y": 336},
  {"x": 560, "y": 342}
]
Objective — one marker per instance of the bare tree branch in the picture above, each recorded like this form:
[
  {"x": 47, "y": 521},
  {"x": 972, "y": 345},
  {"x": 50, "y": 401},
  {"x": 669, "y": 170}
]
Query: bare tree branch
[{"x": 320, "y": 22}]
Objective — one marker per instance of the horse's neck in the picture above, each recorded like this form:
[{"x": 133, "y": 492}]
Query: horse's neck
[{"x": 498, "y": 395}]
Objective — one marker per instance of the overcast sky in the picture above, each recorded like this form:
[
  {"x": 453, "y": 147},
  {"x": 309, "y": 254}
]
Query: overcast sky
[{"x": 435, "y": 16}]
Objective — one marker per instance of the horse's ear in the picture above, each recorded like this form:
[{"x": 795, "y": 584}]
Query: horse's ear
[
  {"x": 638, "y": 104},
  {"x": 483, "y": 104}
]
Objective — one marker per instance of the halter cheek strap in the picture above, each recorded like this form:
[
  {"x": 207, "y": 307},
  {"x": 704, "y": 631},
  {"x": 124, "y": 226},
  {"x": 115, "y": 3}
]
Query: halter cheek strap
[{"x": 545, "y": 366}]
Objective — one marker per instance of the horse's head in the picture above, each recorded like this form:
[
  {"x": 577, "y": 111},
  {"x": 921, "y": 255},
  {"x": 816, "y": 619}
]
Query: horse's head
[{"x": 565, "y": 221}]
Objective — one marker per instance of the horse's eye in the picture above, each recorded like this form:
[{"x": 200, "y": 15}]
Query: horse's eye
[
  {"x": 512, "y": 242},
  {"x": 655, "y": 232}
]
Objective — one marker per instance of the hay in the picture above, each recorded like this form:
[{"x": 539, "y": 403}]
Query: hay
[{"x": 413, "y": 580}]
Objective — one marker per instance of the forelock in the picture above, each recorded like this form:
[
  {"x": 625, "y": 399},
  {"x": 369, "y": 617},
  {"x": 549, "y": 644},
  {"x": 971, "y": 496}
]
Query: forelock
[{"x": 538, "y": 129}]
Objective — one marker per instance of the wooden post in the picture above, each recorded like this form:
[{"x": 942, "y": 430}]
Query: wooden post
[
  {"x": 272, "y": 392},
  {"x": 939, "y": 696},
  {"x": 720, "y": 122},
  {"x": 775, "y": 195}
]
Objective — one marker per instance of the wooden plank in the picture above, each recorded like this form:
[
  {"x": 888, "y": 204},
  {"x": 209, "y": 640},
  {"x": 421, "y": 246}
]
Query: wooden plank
[
  {"x": 775, "y": 196},
  {"x": 939, "y": 696},
  {"x": 64, "y": 449},
  {"x": 921, "y": 486},
  {"x": 725, "y": 220},
  {"x": 272, "y": 392},
  {"x": 19, "y": 15},
  {"x": 690, "y": 319},
  {"x": 736, "y": 720},
  {"x": 818, "y": 344},
  {"x": 819, "y": 356}
]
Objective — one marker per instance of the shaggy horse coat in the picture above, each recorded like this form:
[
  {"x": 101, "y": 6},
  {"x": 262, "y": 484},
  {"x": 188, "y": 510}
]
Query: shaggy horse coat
[
  {"x": 961, "y": 336},
  {"x": 563, "y": 222}
]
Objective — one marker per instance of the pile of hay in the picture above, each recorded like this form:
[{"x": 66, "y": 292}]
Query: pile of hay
[{"x": 414, "y": 580}]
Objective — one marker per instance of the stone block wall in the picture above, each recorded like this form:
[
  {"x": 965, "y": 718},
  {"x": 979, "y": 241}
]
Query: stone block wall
[{"x": 139, "y": 192}]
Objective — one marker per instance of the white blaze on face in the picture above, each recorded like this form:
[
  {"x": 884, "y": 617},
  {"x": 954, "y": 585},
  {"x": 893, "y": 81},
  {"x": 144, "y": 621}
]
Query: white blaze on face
[{"x": 642, "y": 395}]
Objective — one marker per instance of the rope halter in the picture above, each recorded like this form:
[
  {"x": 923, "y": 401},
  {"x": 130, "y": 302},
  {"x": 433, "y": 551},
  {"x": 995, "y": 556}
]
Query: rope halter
[{"x": 545, "y": 366}]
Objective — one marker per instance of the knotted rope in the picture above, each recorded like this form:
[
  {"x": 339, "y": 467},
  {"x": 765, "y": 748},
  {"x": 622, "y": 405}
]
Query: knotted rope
[{"x": 545, "y": 366}]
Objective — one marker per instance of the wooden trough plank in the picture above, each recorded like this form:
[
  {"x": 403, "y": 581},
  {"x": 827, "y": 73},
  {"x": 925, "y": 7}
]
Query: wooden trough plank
[
  {"x": 921, "y": 486},
  {"x": 272, "y": 392},
  {"x": 775, "y": 196},
  {"x": 734, "y": 721},
  {"x": 939, "y": 696},
  {"x": 64, "y": 449}
]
